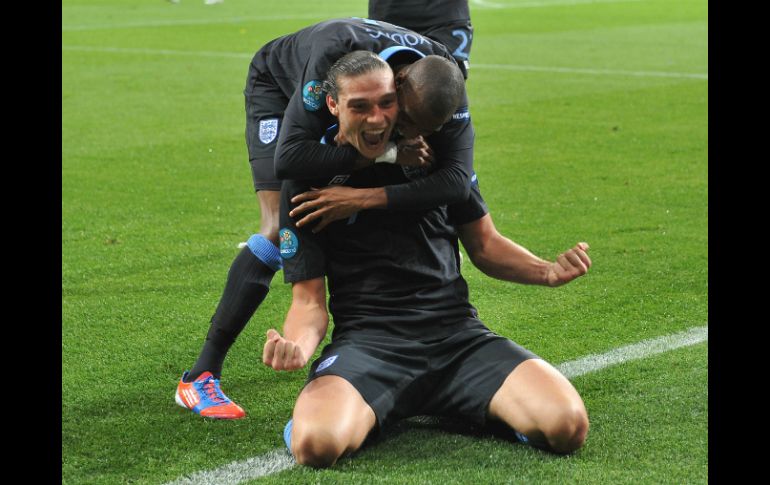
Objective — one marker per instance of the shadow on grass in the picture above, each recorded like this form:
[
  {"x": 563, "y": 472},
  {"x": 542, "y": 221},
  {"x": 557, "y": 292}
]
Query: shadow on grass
[{"x": 400, "y": 437}]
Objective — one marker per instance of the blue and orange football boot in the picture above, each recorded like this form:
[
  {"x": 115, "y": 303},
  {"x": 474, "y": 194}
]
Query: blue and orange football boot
[{"x": 205, "y": 397}]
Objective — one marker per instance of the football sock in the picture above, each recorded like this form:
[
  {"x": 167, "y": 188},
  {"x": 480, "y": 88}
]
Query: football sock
[
  {"x": 248, "y": 283},
  {"x": 287, "y": 434},
  {"x": 521, "y": 437},
  {"x": 539, "y": 444},
  {"x": 502, "y": 430}
]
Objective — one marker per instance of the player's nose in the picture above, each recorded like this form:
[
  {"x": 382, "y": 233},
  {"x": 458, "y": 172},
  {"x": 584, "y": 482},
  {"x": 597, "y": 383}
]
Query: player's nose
[{"x": 377, "y": 116}]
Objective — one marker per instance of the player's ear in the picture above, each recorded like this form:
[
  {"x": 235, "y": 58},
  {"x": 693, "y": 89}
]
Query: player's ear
[
  {"x": 399, "y": 78},
  {"x": 332, "y": 105}
]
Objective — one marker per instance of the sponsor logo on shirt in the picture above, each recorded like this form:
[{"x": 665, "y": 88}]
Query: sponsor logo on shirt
[
  {"x": 462, "y": 114},
  {"x": 326, "y": 363},
  {"x": 312, "y": 95},
  {"x": 339, "y": 180},
  {"x": 288, "y": 243},
  {"x": 268, "y": 129}
]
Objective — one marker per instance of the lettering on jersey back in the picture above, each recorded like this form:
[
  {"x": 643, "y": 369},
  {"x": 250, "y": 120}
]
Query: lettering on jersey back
[{"x": 410, "y": 39}]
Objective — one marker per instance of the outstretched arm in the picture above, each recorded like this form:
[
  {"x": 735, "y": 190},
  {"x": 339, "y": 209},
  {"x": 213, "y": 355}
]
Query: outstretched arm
[
  {"x": 499, "y": 257},
  {"x": 304, "y": 328}
]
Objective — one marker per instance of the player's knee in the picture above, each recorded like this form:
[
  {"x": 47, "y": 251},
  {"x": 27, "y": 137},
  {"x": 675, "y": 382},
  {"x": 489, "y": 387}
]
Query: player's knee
[
  {"x": 269, "y": 202},
  {"x": 269, "y": 229},
  {"x": 316, "y": 446},
  {"x": 568, "y": 429},
  {"x": 266, "y": 251}
]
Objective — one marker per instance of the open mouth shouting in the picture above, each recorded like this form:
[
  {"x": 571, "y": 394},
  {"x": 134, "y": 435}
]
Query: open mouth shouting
[{"x": 373, "y": 139}]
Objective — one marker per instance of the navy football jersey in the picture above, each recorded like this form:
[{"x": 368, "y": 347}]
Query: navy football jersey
[{"x": 385, "y": 269}]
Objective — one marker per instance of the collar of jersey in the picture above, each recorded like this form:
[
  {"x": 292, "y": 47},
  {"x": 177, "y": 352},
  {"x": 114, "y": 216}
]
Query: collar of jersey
[{"x": 385, "y": 54}]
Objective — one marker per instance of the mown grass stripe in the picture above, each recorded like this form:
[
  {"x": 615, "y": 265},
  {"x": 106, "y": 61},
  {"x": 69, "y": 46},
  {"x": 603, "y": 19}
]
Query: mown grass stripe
[
  {"x": 537, "y": 4},
  {"x": 580, "y": 70},
  {"x": 483, "y": 4},
  {"x": 156, "y": 52},
  {"x": 203, "y": 21},
  {"x": 508, "y": 67}
]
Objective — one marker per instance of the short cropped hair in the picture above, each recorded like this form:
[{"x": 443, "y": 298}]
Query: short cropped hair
[{"x": 439, "y": 84}]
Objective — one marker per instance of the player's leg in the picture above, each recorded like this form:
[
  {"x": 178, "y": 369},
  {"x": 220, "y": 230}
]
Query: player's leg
[
  {"x": 356, "y": 386},
  {"x": 542, "y": 406},
  {"x": 247, "y": 285},
  {"x": 330, "y": 420},
  {"x": 486, "y": 377},
  {"x": 250, "y": 274}
]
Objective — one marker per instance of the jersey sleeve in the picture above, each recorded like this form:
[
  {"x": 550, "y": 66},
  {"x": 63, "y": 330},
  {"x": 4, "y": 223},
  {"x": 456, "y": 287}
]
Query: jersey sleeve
[
  {"x": 298, "y": 153},
  {"x": 302, "y": 252},
  {"x": 450, "y": 182},
  {"x": 470, "y": 210}
]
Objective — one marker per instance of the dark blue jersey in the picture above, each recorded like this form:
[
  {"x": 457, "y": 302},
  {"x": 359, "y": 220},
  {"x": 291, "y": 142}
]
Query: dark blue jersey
[
  {"x": 298, "y": 64},
  {"x": 388, "y": 271}
]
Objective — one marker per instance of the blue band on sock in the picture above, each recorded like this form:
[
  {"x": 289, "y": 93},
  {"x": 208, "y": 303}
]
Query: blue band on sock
[
  {"x": 265, "y": 251},
  {"x": 287, "y": 434},
  {"x": 521, "y": 437}
]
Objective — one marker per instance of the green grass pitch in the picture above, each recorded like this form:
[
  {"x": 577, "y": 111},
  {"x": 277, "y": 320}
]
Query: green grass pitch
[{"x": 591, "y": 125}]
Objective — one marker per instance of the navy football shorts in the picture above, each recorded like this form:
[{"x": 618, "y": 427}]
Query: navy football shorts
[
  {"x": 265, "y": 105},
  {"x": 456, "y": 376}
]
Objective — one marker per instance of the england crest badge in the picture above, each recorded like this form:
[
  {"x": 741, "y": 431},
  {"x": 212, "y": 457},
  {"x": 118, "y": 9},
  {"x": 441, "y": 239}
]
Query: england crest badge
[{"x": 268, "y": 129}]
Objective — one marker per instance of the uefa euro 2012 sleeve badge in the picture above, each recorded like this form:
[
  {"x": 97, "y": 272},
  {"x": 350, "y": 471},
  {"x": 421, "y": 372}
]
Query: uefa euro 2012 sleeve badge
[
  {"x": 312, "y": 95},
  {"x": 288, "y": 243}
]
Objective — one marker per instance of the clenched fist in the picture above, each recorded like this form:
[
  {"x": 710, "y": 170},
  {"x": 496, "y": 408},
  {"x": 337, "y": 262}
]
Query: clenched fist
[
  {"x": 282, "y": 354},
  {"x": 570, "y": 264}
]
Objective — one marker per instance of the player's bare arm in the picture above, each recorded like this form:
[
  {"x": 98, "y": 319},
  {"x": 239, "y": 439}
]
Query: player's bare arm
[
  {"x": 305, "y": 326},
  {"x": 499, "y": 257}
]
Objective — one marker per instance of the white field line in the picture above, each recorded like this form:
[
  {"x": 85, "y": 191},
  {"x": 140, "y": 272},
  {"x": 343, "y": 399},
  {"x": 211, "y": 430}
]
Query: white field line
[
  {"x": 206, "y": 21},
  {"x": 536, "y": 4},
  {"x": 156, "y": 52},
  {"x": 641, "y": 350},
  {"x": 508, "y": 67},
  {"x": 483, "y": 4},
  {"x": 278, "y": 460},
  {"x": 576, "y": 70},
  {"x": 240, "y": 471}
]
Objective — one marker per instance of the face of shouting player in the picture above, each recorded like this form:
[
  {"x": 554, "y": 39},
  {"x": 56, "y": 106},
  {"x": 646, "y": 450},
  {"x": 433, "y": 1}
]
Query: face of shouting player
[{"x": 366, "y": 108}]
